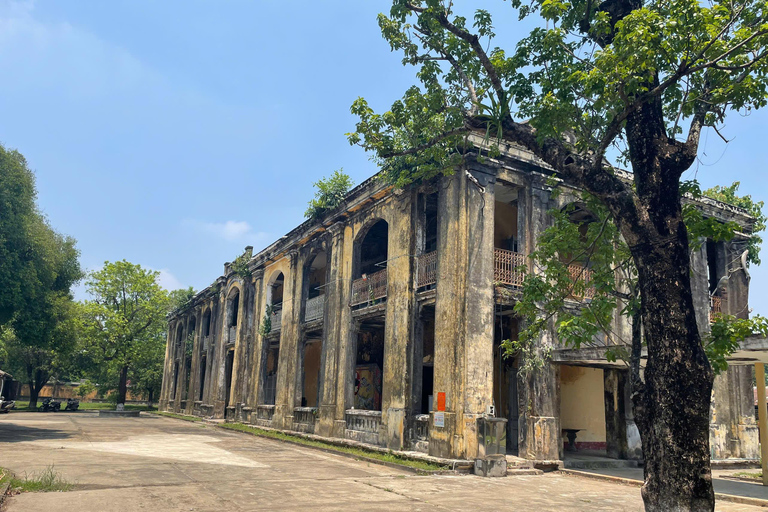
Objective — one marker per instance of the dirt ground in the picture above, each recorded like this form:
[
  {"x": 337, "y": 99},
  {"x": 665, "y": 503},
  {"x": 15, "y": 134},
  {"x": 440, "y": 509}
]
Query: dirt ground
[{"x": 162, "y": 464}]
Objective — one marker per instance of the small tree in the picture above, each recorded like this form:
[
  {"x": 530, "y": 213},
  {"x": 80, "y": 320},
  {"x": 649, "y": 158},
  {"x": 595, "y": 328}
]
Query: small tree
[
  {"x": 330, "y": 194},
  {"x": 85, "y": 388}
]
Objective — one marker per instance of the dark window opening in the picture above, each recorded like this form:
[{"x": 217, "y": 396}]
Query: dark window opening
[
  {"x": 369, "y": 366},
  {"x": 228, "y": 374},
  {"x": 203, "y": 362},
  {"x": 373, "y": 249}
]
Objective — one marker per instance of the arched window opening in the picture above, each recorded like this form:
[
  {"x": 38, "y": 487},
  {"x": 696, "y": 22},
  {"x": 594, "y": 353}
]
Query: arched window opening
[
  {"x": 233, "y": 309},
  {"x": 370, "y": 270},
  {"x": 207, "y": 323},
  {"x": 203, "y": 362},
  {"x": 314, "y": 280},
  {"x": 275, "y": 301}
]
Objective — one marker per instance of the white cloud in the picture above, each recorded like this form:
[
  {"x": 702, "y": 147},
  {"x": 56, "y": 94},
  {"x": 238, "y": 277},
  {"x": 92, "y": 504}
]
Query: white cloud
[
  {"x": 168, "y": 280},
  {"x": 231, "y": 230}
]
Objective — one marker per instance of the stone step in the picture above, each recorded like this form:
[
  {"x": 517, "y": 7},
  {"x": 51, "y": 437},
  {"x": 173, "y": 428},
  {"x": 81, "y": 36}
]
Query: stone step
[
  {"x": 600, "y": 464},
  {"x": 523, "y": 471}
]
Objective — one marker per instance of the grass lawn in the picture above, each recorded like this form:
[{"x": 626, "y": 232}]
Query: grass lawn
[
  {"x": 92, "y": 406},
  {"x": 48, "y": 480},
  {"x": 357, "y": 452},
  {"x": 757, "y": 475}
]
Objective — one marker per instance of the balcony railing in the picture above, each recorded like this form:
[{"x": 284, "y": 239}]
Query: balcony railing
[
  {"x": 206, "y": 343},
  {"x": 716, "y": 306},
  {"x": 363, "y": 425},
  {"x": 369, "y": 288},
  {"x": 427, "y": 269},
  {"x": 277, "y": 317},
  {"x": 304, "y": 419},
  {"x": 582, "y": 276},
  {"x": 314, "y": 308},
  {"x": 508, "y": 267},
  {"x": 232, "y": 334}
]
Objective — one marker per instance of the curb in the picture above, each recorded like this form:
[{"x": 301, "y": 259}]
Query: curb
[
  {"x": 744, "y": 500},
  {"x": 4, "y": 489}
]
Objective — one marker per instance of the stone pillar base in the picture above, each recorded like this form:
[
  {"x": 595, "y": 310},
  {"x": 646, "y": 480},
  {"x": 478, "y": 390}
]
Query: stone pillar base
[
  {"x": 392, "y": 430},
  {"x": 325, "y": 419},
  {"x": 543, "y": 438},
  {"x": 340, "y": 429},
  {"x": 491, "y": 466}
]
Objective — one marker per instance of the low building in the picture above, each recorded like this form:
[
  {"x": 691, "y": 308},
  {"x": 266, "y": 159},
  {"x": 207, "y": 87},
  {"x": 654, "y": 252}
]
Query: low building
[{"x": 382, "y": 322}]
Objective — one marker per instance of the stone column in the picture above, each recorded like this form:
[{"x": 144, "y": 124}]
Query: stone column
[
  {"x": 733, "y": 430},
  {"x": 346, "y": 332},
  {"x": 539, "y": 391},
  {"x": 286, "y": 367},
  {"x": 329, "y": 358},
  {"x": 252, "y": 394},
  {"x": 614, "y": 384},
  {"x": 464, "y": 311},
  {"x": 167, "y": 369},
  {"x": 194, "y": 370},
  {"x": 396, "y": 378},
  {"x": 219, "y": 391}
]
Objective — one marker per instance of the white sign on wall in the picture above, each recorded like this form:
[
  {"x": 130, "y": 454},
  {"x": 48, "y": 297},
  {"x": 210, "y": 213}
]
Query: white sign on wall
[{"x": 440, "y": 419}]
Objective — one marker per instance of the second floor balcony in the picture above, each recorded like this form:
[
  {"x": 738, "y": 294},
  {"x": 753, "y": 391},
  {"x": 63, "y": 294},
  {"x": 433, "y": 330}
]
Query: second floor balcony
[
  {"x": 369, "y": 289},
  {"x": 314, "y": 308}
]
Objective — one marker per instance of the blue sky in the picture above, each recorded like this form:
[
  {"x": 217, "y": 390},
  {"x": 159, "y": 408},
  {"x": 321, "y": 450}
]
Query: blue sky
[{"x": 174, "y": 133}]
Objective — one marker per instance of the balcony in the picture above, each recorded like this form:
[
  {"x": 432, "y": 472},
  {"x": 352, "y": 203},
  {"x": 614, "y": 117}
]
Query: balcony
[
  {"x": 314, "y": 308},
  {"x": 582, "y": 276},
  {"x": 232, "y": 334},
  {"x": 276, "y": 317},
  {"x": 508, "y": 267},
  {"x": 716, "y": 306},
  {"x": 206, "y": 343},
  {"x": 426, "y": 270},
  {"x": 369, "y": 289}
]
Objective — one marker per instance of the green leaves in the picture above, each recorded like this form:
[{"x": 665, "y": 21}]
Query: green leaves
[
  {"x": 123, "y": 323},
  {"x": 330, "y": 193}
]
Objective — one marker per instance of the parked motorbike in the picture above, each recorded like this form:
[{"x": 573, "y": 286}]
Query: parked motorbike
[
  {"x": 49, "y": 404},
  {"x": 6, "y": 405},
  {"x": 72, "y": 404}
]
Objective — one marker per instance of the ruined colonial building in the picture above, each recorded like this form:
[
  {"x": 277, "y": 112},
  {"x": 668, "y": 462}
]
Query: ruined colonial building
[{"x": 382, "y": 322}]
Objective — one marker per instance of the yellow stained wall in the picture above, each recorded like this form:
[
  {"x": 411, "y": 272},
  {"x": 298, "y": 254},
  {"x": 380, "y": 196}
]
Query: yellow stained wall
[{"x": 582, "y": 402}]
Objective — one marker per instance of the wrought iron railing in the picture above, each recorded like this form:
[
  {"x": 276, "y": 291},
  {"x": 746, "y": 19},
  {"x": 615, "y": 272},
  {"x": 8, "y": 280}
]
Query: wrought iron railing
[
  {"x": 427, "y": 269},
  {"x": 314, "y": 308},
  {"x": 206, "y": 343},
  {"x": 232, "y": 334},
  {"x": 508, "y": 267},
  {"x": 369, "y": 289}
]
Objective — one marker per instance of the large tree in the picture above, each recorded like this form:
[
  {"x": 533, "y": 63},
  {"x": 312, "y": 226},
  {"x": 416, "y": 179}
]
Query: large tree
[
  {"x": 38, "y": 267},
  {"x": 123, "y": 325},
  {"x": 17, "y": 213},
  {"x": 642, "y": 79}
]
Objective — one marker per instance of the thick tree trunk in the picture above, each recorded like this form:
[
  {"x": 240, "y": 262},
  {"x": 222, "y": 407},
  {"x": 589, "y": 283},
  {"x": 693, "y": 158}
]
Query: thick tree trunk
[
  {"x": 673, "y": 410},
  {"x": 122, "y": 387}
]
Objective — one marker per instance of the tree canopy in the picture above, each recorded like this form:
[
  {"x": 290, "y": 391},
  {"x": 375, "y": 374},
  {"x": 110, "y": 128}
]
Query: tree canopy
[
  {"x": 123, "y": 325},
  {"x": 329, "y": 194}
]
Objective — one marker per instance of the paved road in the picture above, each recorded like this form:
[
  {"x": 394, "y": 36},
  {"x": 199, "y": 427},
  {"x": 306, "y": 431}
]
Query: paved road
[{"x": 161, "y": 464}]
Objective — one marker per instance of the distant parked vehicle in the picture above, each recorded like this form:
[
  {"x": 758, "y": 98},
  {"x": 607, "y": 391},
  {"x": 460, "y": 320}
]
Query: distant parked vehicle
[
  {"x": 6, "y": 405},
  {"x": 50, "y": 405},
  {"x": 72, "y": 404}
]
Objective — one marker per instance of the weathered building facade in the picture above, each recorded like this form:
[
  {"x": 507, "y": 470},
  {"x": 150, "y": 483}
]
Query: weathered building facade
[{"x": 382, "y": 322}]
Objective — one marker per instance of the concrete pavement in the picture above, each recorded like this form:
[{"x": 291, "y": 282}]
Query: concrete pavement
[{"x": 156, "y": 463}]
